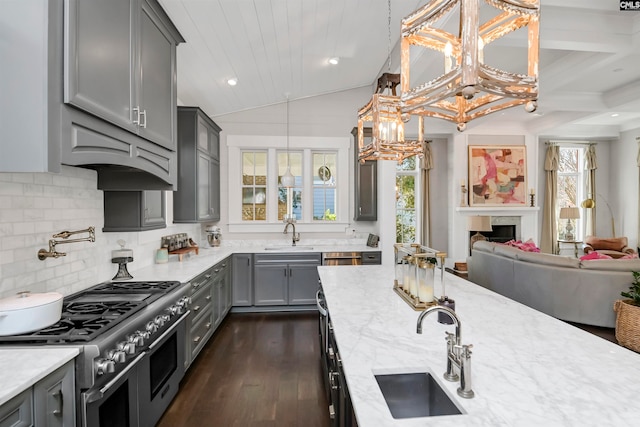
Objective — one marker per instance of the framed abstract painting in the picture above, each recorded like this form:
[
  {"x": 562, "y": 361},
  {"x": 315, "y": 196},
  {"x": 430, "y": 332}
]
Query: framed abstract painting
[{"x": 497, "y": 175}]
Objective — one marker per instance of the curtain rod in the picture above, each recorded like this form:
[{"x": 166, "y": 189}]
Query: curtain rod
[{"x": 570, "y": 142}]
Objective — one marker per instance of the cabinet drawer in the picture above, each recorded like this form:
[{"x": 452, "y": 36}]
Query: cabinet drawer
[
  {"x": 201, "y": 301},
  {"x": 201, "y": 281},
  {"x": 200, "y": 333},
  {"x": 371, "y": 258},
  {"x": 18, "y": 411}
]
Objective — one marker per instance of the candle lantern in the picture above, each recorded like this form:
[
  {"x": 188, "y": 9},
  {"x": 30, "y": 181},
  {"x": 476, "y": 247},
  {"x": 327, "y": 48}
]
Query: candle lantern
[
  {"x": 425, "y": 274},
  {"x": 410, "y": 279}
]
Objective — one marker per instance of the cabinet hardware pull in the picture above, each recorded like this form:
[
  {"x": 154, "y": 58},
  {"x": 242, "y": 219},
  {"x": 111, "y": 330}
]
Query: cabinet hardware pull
[
  {"x": 136, "y": 119},
  {"x": 332, "y": 412},
  {"x": 143, "y": 115},
  {"x": 224, "y": 265},
  {"x": 208, "y": 325},
  {"x": 248, "y": 261},
  {"x": 207, "y": 276},
  {"x": 196, "y": 308},
  {"x": 208, "y": 297},
  {"x": 196, "y": 340},
  {"x": 216, "y": 270},
  {"x": 290, "y": 273},
  {"x": 58, "y": 394}
]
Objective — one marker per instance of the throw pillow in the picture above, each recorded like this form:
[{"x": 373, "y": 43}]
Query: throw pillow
[{"x": 594, "y": 255}]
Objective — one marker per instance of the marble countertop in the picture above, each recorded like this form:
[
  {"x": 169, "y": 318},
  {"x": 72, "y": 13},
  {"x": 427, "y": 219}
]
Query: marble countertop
[
  {"x": 192, "y": 265},
  {"x": 21, "y": 368},
  {"x": 528, "y": 369}
]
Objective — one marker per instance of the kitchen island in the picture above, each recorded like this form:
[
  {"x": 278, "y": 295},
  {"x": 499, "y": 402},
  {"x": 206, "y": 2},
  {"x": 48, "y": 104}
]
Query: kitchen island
[{"x": 528, "y": 369}]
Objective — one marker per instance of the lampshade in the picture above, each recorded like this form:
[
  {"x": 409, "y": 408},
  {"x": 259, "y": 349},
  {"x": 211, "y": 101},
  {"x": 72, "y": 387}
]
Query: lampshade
[
  {"x": 468, "y": 88},
  {"x": 479, "y": 223},
  {"x": 569, "y": 213}
]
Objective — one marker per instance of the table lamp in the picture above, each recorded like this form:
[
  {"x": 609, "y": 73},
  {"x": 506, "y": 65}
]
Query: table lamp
[
  {"x": 569, "y": 214},
  {"x": 478, "y": 223}
]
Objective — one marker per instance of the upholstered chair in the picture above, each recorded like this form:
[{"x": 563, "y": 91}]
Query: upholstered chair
[{"x": 615, "y": 247}]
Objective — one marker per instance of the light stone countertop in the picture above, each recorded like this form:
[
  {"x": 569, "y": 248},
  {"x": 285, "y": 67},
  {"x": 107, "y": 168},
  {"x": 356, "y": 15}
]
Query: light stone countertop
[
  {"x": 193, "y": 265},
  {"x": 21, "y": 368},
  {"x": 528, "y": 369}
]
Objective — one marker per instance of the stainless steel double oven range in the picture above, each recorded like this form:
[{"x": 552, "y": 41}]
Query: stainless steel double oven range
[{"x": 131, "y": 336}]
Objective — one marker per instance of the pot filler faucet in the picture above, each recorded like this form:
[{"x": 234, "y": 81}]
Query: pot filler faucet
[
  {"x": 458, "y": 355},
  {"x": 295, "y": 237}
]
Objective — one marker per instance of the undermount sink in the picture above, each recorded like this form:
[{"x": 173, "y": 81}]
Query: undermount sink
[
  {"x": 415, "y": 394},
  {"x": 287, "y": 248}
]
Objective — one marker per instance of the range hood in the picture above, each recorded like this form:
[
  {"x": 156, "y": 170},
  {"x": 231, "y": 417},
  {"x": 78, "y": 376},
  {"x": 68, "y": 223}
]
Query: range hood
[{"x": 123, "y": 178}]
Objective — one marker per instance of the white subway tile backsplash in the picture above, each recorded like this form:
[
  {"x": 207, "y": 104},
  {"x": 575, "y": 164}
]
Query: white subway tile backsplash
[{"x": 34, "y": 206}]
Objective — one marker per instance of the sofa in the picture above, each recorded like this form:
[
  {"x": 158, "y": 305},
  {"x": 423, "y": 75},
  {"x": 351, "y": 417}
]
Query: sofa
[{"x": 565, "y": 288}]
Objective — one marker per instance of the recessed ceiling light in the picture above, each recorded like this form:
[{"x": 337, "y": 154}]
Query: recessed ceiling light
[
  {"x": 334, "y": 61},
  {"x": 232, "y": 82},
  {"x": 615, "y": 115}
]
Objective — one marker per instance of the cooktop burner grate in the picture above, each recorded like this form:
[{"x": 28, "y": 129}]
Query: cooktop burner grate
[{"x": 132, "y": 287}]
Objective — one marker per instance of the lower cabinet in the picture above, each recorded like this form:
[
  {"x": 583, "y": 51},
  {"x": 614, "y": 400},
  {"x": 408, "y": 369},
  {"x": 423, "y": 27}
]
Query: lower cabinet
[
  {"x": 210, "y": 303},
  {"x": 242, "y": 280},
  {"x": 285, "y": 279},
  {"x": 340, "y": 407},
  {"x": 49, "y": 403}
]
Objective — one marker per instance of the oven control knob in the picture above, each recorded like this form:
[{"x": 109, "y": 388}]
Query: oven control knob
[
  {"x": 117, "y": 356},
  {"x": 159, "y": 321},
  {"x": 151, "y": 327},
  {"x": 127, "y": 347},
  {"x": 105, "y": 366},
  {"x": 174, "y": 309},
  {"x": 136, "y": 339}
]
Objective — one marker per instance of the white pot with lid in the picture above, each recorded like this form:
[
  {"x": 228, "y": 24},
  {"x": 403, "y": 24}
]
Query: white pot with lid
[{"x": 28, "y": 312}]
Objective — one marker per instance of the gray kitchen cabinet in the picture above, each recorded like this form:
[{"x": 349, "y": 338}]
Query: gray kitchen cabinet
[
  {"x": 285, "y": 279},
  {"x": 49, "y": 403},
  {"x": 54, "y": 398},
  {"x": 242, "y": 277},
  {"x": 134, "y": 210},
  {"x": 366, "y": 183},
  {"x": 198, "y": 195},
  {"x": 221, "y": 291},
  {"x": 120, "y": 63},
  {"x": 18, "y": 411},
  {"x": 200, "y": 323},
  {"x": 78, "y": 67},
  {"x": 371, "y": 258}
]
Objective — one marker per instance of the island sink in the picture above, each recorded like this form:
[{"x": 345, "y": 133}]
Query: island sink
[{"x": 416, "y": 394}]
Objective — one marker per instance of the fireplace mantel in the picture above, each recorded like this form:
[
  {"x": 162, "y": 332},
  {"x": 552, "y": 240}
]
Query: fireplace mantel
[{"x": 498, "y": 210}]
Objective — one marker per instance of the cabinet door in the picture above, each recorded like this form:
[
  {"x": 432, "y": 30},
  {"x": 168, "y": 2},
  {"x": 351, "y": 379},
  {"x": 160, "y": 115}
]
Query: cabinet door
[
  {"x": 242, "y": 276},
  {"x": 99, "y": 76},
  {"x": 270, "y": 284},
  {"x": 214, "y": 191},
  {"x": 303, "y": 284},
  {"x": 156, "y": 93},
  {"x": 214, "y": 144},
  {"x": 154, "y": 207},
  {"x": 18, "y": 411},
  {"x": 367, "y": 187},
  {"x": 203, "y": 193},
  {"x": 54, "y": 397}
]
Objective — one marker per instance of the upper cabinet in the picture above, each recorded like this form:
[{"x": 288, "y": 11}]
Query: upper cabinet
[
  {"x": 198, "y": 195},
  {"x": 120, "y": 64},
  {"x": 90, "y": 83},
  {"x": 366, "y": 183}
]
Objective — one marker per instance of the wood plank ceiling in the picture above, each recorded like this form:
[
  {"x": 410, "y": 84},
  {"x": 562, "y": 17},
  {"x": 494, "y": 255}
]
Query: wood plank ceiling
[{"x": 589, "y": 60}]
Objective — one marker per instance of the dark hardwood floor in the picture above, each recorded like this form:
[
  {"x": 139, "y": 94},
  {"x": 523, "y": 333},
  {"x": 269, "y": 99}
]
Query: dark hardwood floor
[{"x": 257, "y": 370}]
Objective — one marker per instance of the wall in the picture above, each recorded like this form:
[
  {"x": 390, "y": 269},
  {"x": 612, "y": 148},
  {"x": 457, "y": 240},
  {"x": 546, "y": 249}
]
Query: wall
[
  {"x": 624, "y": 179},
  {"x": 34, "y": 206}
]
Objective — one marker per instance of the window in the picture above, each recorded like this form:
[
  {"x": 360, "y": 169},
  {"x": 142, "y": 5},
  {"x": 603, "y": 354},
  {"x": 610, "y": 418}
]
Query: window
[
  {"x": 254, "y": 186},
  {"x": 570, "y": 190},
  {"x": 324, "y": 186},
  {"x": 295, "y": 162},
  {"x": 319, "y": 198},
  {"x": 407, "y": 183}
]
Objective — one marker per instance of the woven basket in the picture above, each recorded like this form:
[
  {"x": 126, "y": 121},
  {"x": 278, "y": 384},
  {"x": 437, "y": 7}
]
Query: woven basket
[{"x": 627, "y": 324}]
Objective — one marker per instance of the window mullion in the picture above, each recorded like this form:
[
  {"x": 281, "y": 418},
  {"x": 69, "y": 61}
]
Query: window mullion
[
  {"x": 307, "y": 186},
  {"x": 272, "y": 185}
]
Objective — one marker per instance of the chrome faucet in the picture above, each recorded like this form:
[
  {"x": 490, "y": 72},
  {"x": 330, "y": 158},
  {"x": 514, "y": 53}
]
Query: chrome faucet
[
  {"x": 458, "y": 355},
  {"x": 295, "y": 237}
]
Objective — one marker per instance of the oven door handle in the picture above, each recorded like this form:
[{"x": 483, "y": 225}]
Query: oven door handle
[
  {"x": 99, "y": 394},
  {"x": 170, "y": 330},
  {"x": 321, "y": 309}
]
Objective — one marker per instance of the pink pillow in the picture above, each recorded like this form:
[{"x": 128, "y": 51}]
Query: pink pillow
[
  {"x": 594, "y": 255},
  {"x": 527, "y": 246}
]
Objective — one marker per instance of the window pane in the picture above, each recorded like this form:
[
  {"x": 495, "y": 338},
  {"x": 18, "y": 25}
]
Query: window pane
[
  {"x": 254, "y": 192},
  {"x": 407, "y": 164},
  {"x": 568, "y": 160},
  {"x": 295, "y": 162},
  {"x": 324, "y": 186},
  {"x": 405, "y": 209}
]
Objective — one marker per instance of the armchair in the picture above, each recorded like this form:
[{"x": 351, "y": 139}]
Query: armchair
[{"x": 615, "y": 247}]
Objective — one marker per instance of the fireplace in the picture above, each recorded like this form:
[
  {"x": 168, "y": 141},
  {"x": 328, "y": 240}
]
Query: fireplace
[{"x": 500, "y": 234}]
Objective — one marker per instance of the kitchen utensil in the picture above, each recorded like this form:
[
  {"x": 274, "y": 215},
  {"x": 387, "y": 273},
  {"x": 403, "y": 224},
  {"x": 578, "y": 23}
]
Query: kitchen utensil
[{"x": 27, "y": 312}]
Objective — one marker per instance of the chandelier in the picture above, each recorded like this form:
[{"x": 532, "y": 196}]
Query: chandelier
[
  {"x": 468, "y": 88},
  {"x": 383, "y": 114}
]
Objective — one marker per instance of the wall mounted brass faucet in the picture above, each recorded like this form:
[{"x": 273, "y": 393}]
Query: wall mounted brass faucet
[{"x": 52, "y": 253}]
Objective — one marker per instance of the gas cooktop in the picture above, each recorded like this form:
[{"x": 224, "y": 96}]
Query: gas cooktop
[{"x": 92, "y": 312}]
